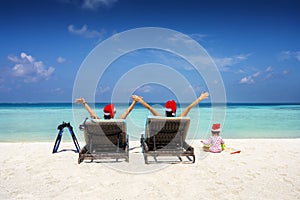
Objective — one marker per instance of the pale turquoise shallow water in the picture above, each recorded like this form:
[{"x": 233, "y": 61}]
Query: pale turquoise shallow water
[{"x": 38, "y": 122}]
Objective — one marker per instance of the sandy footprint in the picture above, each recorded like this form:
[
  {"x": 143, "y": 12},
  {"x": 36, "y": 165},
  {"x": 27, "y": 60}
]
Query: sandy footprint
[
  {"x": 237, "y": 180},
  {"x": 219, "y": 183},
  {"x": 244, "y": 163},
  {"x": 286, "y": 180},
  {"x": 9, "y": 175},
  {"x": 213, "y": 172},
  {"x": 285, "y": 175},
  {"x": 253, "y": 176}
]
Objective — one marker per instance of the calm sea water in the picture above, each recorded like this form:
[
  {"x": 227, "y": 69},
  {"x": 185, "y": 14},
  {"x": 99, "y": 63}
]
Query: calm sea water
[{"x": 38, "y": 122}]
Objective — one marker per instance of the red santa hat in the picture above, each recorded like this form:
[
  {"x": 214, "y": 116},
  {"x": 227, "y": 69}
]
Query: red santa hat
[
  {"x": 216, "y": 127},
  {"x": 171, "y": 107},
  {"x": 109, "y": 109}
]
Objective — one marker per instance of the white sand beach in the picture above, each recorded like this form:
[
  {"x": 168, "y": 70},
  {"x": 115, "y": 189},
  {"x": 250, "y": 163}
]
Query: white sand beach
[{"x": 265, "y": 169}]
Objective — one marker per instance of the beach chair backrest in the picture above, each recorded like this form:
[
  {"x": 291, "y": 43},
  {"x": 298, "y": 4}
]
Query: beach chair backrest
[
  {"x": 105, "y": 132},
  {"x": 167, "y": 128}
]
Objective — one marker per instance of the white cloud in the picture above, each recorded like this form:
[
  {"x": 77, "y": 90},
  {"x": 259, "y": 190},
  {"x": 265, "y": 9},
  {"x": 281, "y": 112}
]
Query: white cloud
[
  {"x": 269, "y": 73},
  {"x": 198, "y": 36},
  {"x": 284, "y": 72},
  {"x": 287, "y": 55},
  {"x": 250, "y": 79},
  {"x": 175, "y": 38},
  {"x": 85, "y": 32},
  {"x": 269, "y": 76},
  {"x": 95, "y": 4},
  {"x": 224, "y": 63},
  {"x": 201, "y": 60},
  {"x": 247, "y": 80},
  {"x": 269, "y": 69},
  {"x": 145, "y": 89},
  {"x": 263, "y": 75},
  {"x": 115, "y": 36},
  {"x": 61, "y": 60},
  {"x": 240, "y": 71},
  {"x": 29, "y": 69},
  {"x": 27, "y": 57},
  {"x": 91, "y": 4},
  {"x": 102, "y": 90},
  {"x": 297, "y": 55},
  {"x": 256, "y": 74},
  {"x": 57, "y": 91},
  {"x": 14, "y": 59}
]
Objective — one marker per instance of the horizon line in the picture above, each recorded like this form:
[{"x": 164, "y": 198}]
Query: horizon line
[{"x": 105, "y": 102}]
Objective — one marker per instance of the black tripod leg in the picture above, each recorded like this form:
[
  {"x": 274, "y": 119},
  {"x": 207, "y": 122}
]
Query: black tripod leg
[
  {"x": 57, "y": 142},
  {"x": 74, "y": 139}
]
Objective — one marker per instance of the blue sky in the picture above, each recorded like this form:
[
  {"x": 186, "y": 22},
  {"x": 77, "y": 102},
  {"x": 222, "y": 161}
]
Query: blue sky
[{"x": 255, "y": 45}]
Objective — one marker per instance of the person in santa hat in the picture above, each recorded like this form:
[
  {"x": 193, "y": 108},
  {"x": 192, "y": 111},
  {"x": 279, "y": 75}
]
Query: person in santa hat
[
  {"x": 109, "y": 110},
  {"x": 170, "y": 106},
  {"x": 213, "y": 144}
]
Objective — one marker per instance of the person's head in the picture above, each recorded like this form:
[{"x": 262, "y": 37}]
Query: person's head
[
  {"x": 216, "y": 129},
  {"x": 109, "y": 111},
  {"x": 170, "y": 108}
]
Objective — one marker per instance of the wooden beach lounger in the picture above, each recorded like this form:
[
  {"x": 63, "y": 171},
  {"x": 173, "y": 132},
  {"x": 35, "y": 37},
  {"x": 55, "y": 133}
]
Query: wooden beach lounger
[
  {"x": 105, "y": 139},
  {"x": 165, "y": 136}
]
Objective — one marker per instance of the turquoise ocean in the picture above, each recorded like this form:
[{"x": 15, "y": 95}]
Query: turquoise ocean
[{"x": 37, "y": 122}]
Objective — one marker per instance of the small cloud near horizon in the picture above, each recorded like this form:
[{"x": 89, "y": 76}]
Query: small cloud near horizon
[
  {"x": 57, "y": 91},
  {"x": 263, "y": 75},
  {"x": 61, "y": 60},
  {"x": 29, "y": 69}
]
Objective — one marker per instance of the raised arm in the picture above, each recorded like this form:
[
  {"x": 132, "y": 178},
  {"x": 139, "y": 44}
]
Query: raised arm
[
  {"x": 139, "y": 99},
  {"x": 87, "y": 107},
  {"x": 129, "y": 109},
  {"x": 187, "y": 110}
]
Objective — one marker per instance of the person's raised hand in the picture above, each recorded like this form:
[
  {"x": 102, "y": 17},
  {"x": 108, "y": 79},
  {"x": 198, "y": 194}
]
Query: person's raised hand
[
  {"x": 80, "y": 100},
  {"x": 136, "y": 98},
  {"x": 204, "y": 95}
]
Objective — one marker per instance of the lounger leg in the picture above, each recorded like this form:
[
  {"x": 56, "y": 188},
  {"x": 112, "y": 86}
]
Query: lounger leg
[
  {"x": 127, "y": 153},
  {"x": 180, "y": 158},
  {"x": 145, "y": 149},
  {"x": 146, "y": 159},
  {"x": 81, "y": 154},
  {"x": 188, "y": 157},
  {"x": 80, "y": 159}
]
